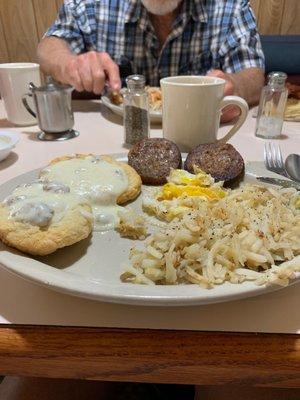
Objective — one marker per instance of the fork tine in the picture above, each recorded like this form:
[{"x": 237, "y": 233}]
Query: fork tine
[
  {"x": 279, "y": 154},
  {"x": 267, "y": 155},
  {"x": 281, "y": 163},
  {"x": 273, "y": 155},
  {"x": 276, "y": 158}
]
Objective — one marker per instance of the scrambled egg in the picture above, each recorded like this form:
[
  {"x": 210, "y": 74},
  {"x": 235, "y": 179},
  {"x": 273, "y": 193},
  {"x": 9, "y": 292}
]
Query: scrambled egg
[
  {"x": 182, "y": 183},
  {"x": 182, "y": 177},
  {"x": 171, "y": 191},
  {"x": 182, "y": 193}
]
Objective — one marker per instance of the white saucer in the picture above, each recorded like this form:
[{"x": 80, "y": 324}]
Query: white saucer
[{"x": 8, "y": 140}]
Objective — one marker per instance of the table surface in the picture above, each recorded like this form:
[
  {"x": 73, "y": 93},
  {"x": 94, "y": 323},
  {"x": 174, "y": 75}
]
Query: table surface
[
  {"x": 101, "y": 131},
  {"x": 37, "y": 334}
]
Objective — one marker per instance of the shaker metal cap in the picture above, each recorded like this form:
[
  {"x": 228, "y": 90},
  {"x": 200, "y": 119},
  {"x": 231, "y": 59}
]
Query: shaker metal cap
[
  {"x": 135, "y": 82},
  {"x": 277, "y": 78}
]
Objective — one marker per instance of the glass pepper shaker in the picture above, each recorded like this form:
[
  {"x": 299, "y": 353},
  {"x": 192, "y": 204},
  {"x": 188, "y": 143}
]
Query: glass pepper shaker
[
  {"x": 272, "y": 106},
  {"x": 136, "y": 110}
]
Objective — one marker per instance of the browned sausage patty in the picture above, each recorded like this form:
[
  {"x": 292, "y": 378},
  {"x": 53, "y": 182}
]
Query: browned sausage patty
[
  {"x": 222, "y": 161},
  {"x": 154, "y": 158}
]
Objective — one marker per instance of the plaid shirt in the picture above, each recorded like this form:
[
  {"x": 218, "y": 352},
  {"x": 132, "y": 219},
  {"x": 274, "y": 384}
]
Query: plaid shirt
[{"x": 207, "y": 34}]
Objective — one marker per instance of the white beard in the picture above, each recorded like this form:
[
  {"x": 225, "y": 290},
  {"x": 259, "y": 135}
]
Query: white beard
[{"x": 161, "y": 7}]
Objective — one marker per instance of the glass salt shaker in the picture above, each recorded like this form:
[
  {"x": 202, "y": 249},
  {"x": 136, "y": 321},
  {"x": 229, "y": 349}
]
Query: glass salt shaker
[
  {"x": 272, "y": 106},
  {"x": 136, "y": 110}
]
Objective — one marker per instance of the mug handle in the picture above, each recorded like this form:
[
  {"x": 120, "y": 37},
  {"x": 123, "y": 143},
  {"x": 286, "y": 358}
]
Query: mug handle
[
  {"x": 243, "y": 106},
  {"x": 26, "y": 105}
]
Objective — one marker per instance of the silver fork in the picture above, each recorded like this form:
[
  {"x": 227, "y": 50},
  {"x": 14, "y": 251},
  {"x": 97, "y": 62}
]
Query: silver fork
[{"x": 273, "y": 159}]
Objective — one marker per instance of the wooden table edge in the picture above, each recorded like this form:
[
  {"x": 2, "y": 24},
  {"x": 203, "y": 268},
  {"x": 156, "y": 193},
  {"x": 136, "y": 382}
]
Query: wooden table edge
[{"x": 142, "y": 355}]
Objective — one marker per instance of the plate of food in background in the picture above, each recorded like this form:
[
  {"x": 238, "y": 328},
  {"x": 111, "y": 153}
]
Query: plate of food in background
[
  {"x": 292, "y": 110},
  {"x": 114, "y": 101}
]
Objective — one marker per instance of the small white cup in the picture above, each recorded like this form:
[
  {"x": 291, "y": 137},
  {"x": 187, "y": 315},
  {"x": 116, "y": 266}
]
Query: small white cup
[
  {"x": 192, "y": 108},
  {"x": 14, "y": 81}
]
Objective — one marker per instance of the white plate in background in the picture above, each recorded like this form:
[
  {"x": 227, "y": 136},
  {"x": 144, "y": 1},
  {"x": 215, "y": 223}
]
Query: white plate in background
[{"x": 155, "y": 116}]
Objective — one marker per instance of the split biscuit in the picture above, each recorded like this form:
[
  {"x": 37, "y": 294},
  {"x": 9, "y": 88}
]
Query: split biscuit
[
  {"x": 134, "y": 181},
  {"x": 39, "y": 222}
]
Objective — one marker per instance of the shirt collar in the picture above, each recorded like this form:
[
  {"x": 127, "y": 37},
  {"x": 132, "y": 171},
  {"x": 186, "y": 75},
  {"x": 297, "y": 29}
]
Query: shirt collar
[
  {"x": 133, "y": 11},
  {"x": 196, "y": 7}
]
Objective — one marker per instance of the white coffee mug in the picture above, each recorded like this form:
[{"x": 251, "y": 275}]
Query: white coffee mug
[
  {"x": 14, "y": 81},
  {"x": 192, "y": 107}
]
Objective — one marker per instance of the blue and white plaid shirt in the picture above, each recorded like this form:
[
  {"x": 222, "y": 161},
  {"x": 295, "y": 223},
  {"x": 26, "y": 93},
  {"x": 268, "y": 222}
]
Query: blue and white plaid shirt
[{"x": 207, "y": 34}]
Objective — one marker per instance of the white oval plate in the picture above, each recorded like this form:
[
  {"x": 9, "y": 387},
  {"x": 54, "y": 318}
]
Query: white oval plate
[
  {"x": 155, "y": 116},
  {"x": 92, "y": 268}
]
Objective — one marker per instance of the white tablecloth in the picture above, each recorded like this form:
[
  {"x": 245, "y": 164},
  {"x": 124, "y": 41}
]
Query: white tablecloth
[{"x": 22, "y": 302}]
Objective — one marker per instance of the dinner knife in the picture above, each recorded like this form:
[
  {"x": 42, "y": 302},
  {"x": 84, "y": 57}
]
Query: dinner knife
[{"x": 280, "y": 182}]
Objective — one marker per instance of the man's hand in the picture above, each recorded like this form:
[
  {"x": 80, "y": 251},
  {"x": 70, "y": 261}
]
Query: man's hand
[
  {"x": 246, "y": 84},
  {"x": 89, "y": 71},
  {"x": 231, "y": 112}
]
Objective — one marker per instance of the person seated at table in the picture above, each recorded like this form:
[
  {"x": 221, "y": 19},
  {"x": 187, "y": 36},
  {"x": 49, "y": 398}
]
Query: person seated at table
[{"x": 157, "y": 38}]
